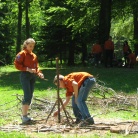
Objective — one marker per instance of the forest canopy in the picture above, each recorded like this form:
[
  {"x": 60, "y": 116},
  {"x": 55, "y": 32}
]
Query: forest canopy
[{"x": 66, "y": 28}]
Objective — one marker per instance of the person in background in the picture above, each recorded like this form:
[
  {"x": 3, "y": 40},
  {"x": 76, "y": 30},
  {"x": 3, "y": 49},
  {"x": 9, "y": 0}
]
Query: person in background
[
  {"x": 26, "y": 61},
  {"x": 131, "y": 59},
  {"x": 126, "y": 52},
  {"x": 109, "y": 51},
  {"x": 78, "y": 86},
  {"x": 97, "y": 51}
]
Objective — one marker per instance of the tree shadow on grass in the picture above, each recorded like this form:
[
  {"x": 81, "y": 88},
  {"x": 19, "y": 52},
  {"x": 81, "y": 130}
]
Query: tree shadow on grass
[
  {"x": 119, "y": 79},
  {"x": 12, "y": 80}
]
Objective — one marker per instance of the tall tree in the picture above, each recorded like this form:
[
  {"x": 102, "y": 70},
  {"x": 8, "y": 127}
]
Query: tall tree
[
  {"x": 135, "y": 15},
  {"x": 105, "y": 20},
  {"x": 78, "y": 19},
  {"x": 27, "y": 19},
  {"x": 6, "y": 30},
  {"x": 19, "y": 26}
]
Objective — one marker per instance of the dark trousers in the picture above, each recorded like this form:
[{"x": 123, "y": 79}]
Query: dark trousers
[
  {"x": 27, "y": 80},
  {"x": 126, "y": 58},
  {"x": 97, "y": 58},
  {"x": 109, "y": 58}
]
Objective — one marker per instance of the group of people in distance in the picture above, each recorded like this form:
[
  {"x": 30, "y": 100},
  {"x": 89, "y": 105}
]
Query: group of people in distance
[{"x": 107, "y": 51}]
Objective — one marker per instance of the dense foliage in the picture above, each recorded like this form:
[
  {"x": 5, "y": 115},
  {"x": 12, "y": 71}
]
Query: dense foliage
[{"x": 66, "y": 28}]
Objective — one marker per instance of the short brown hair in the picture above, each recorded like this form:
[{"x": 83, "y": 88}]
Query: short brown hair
[{"x": 55, "y": 79}]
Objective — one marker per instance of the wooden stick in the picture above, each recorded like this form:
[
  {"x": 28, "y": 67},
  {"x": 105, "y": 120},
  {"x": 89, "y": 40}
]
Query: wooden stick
[
  {"x": 57, "y": 68},
  {"x": 51, "y": 111},
  {"x": 129, "y": 128}
]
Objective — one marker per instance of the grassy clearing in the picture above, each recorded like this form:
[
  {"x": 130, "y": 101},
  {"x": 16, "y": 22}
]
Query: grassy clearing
[
  {"x": 44, "y": 135},
  {"x": 97, "y": 134},
  {"x": 13, "y": 135},
  {"x": 120, "y": 79}
]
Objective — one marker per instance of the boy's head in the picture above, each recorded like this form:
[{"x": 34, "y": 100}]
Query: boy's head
[
  {"x": 61, "y": 84},
  {"x": 29, "y": 44}
]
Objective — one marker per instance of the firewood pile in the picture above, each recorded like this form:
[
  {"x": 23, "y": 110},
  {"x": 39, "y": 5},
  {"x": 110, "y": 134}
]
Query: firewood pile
[{"x": 101, "y": 97}]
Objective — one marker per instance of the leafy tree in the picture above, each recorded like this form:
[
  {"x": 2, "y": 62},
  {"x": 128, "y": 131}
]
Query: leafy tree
[
  {"x": 135, "y": 14},
  {"x": 27, "y": 19},
  {"x": 79, "y": 22},
  {"x": 5, "y": 33},
  {"x": 19, "y": 26},
  {"x": 122, "y": 20},
  {"x": 66, "y": 28},
  {"x": 124, "y": 23},
  {"x": 54, "y": 32}
]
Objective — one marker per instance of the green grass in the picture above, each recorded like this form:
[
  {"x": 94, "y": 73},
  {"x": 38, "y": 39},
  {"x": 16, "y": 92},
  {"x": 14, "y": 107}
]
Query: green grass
[
  {"x": 13, "y": 135},
  {"x": 44, "y": 135},
  {"x": 119, "y": 79}
]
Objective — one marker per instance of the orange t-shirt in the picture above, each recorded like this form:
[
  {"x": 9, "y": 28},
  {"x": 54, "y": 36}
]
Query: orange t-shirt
[
  {"x": 25, "y": 59},
  {"x": 109, "y": 45},
  {"x": 132, "y": 57},
  {"x": 96, "y": 49},
  {"x": 79, "y": 77}
]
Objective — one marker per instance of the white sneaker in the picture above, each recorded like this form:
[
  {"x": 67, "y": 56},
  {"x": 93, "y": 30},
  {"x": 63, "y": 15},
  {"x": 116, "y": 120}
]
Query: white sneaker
[{"x": 26, "y": 119}]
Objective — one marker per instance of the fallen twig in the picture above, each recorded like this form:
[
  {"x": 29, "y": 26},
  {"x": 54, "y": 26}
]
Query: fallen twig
[{"x": 129, "y": 128}]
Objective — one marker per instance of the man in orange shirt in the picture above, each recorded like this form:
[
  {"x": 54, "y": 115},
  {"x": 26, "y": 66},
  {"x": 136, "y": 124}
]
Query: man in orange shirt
[
  {"x": 97, "y": 51},
  {"x": 26, "y": 61},
  {"x": 77, "y": 85},
  {"x": 109, "y": 51}
]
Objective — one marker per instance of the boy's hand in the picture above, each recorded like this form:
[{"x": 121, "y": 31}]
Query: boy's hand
[{"x": 31, "y": 70}]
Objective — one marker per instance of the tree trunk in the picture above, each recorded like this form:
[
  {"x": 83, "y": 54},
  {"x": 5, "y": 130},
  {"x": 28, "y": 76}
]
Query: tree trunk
[
  {"x": 71, "y": 53},
  {"x": 105, "y": 20},
  {"x": 18, "y": 46},
  {"x": 135, "y": 16},
  {"x": 27, "y": 20},
  {"x": 84, "y": 52}
]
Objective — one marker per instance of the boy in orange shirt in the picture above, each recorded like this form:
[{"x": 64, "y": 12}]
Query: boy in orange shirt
[
  {"x": 26, "y": 61},
  {"x": 77, "y": 85}
]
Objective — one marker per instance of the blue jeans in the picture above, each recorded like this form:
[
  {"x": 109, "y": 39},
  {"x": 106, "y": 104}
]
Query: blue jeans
[
  {"x": 27, "y": 80},
  {"x": 80, "y": 109}
]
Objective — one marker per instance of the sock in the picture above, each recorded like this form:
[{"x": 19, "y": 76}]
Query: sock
[{"x": 24, "y": 115}]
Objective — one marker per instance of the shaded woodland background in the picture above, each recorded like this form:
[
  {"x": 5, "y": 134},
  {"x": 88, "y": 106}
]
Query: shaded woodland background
[{"x": 66, "y": 28}]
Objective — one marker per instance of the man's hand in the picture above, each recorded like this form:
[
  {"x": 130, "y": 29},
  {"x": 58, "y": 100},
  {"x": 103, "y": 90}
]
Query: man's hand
[
  {"x": 76, "y": 100},
  {"x": 64, "y": 105},
  {"x": 55, "y": 114}
]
